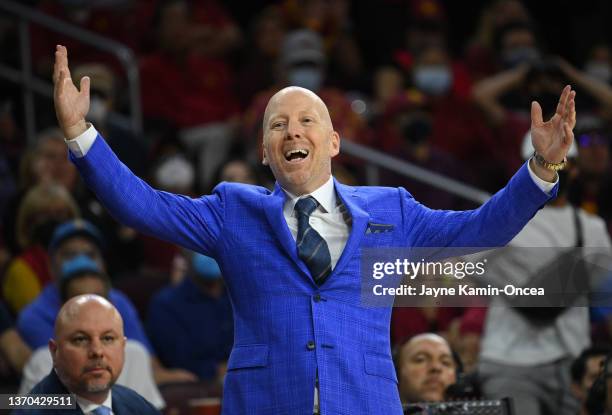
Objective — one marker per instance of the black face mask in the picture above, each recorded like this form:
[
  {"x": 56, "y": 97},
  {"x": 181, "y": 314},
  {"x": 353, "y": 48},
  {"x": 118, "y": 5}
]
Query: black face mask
[
  {"x": 417, "y": 131},
  {"x": 42, "y": 233},
  {"x": 547, "y": 100}
]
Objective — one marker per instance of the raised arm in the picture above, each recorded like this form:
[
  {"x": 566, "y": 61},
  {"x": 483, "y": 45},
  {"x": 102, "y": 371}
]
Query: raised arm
[
  {"x": 71, "y": 104},
  {"x": 192, "y": 223},
  {"x": 496, "y": 222},
  {"x": 553, "y": 138}
]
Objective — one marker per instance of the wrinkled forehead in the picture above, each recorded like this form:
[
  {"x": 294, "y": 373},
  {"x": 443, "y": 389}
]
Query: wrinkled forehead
[
  {"x": 430, "y": 347},
  {"x": 91, "y": 318},
  {"x": 295, "y": 100}
]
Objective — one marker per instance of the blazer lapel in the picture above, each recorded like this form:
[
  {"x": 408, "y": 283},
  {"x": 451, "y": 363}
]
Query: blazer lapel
[
  {"x": 357, "y": 207},
  {"x": 273, "y": 208}
]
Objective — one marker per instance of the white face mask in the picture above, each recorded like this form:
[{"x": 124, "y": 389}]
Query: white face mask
[
  {"x": 309, "y": 78},
  {"x": 98, "y": 110},
  {"x": 433, "y": 79},
  {"x": 599, "y": 70}
]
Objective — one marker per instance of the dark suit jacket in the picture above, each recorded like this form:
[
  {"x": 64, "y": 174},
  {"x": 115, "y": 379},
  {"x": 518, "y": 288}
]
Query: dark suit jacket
[{"x": 125, "y": 400}]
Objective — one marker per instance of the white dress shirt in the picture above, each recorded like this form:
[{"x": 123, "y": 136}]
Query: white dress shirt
[
  {"x": 327, "y": 219},
  {"x": 137, "y": 373},
  {"x": 88, "y": 407}
]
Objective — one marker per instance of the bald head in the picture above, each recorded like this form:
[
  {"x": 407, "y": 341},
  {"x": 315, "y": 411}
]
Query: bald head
[
  {"x": 87, "y": 305},
  {"x": 426, "y": 368},
  {"x": 432, "y": 337},
  {"x": 299, "y": 140},
  {"x": 89, "y": 346},
  {"x": 284, "y": 93}
]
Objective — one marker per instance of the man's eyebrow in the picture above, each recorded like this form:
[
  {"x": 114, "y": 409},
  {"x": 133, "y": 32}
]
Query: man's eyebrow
[{"x": 275, "y": 117}]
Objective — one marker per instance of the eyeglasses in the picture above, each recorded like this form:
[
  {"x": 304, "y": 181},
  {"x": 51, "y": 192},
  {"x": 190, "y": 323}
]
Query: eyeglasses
[{"x": 588, "y": 140}]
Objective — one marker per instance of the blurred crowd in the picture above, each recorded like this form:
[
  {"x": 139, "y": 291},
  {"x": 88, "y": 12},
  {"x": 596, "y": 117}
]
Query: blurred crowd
[{"x": 394, "y": 79}]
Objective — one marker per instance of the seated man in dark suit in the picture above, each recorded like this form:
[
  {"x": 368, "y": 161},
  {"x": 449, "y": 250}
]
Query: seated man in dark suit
[
  {"x": 88, "y": 354},
  {"x": 425, "y": 368}
]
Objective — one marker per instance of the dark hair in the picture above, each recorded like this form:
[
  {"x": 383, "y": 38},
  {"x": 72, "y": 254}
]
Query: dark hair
[
  {"x": 503, "y": 30},
  {"x": 578, "y": 368}
]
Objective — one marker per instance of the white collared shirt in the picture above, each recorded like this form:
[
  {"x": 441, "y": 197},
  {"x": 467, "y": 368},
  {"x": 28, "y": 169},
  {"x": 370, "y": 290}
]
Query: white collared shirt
[
  {"x": 327, "y": 219},
  {"x": 88, "y": 407}
]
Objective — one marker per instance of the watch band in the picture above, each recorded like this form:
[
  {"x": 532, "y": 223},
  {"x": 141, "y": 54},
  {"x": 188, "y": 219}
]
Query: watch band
[{"x": 548, "y": 165}]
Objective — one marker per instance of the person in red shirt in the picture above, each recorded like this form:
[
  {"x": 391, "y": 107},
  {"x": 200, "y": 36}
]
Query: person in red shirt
[{"x": 181, "y": 83}]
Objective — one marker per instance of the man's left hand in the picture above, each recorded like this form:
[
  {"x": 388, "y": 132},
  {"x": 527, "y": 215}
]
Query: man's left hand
[{"x": 553, "y": 138}]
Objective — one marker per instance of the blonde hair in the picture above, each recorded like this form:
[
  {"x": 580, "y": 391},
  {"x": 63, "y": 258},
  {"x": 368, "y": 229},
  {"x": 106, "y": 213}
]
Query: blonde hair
[{"x": 34, "y": 202}]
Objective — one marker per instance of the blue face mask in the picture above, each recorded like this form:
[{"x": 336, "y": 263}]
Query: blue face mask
[
  {"x": 599, "y": 70},
  {"x": 433, "y": 79},
  {"x": 205, "y": 268},
  {"x": 309, "y": 78}
]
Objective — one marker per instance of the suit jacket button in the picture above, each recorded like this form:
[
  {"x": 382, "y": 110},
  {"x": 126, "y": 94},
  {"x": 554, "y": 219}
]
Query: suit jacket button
[
  {"x": 317, "y": 298},
  {"x": 310, "y": 345}
]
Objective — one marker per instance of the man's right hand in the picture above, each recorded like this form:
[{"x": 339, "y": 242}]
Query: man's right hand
[{"x": 71, "y": 105}]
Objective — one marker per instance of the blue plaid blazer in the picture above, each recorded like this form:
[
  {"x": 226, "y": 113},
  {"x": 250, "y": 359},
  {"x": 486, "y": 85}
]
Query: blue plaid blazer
[{"x": 286, "y": 327}]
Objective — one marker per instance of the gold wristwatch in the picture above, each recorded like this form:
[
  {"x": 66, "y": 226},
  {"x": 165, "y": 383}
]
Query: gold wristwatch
[{"x": 548, "y": 165}]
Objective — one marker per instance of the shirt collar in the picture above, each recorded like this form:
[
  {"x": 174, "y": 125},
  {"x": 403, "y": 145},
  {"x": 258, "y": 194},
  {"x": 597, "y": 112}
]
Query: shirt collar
[
  {"x": 88, "y": 406},
  {"x": 325, "y": 195}
]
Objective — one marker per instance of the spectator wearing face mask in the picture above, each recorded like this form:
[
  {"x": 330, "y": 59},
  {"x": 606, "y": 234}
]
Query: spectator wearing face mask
[
  {"x": 502, "y": 97},
  {"x": 102, "y": 111},
  {"x": 599, "y": 63},
  {"x": 406, "y": 129},
  {"x": 43, "y": 208},
  {"x": 43, "y": 163},
  {"x": 191, "y": 324},
  {"x": 72, "y": 239},
  {"x": 175, "y": 173},
  {"x": 456, "y": 126},
  {"x": 481, "y": 56},
  {"x": 528, "y": 77},
  {"x": 303, "y": 62}
]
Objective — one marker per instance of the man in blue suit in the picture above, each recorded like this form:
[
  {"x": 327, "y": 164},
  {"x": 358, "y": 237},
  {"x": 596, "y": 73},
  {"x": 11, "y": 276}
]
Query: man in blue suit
[
  {"x": 291, "y": 257},
  {"x": 88, "y": 352}
]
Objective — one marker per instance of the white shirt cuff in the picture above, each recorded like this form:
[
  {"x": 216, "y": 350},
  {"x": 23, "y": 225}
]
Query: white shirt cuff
[
  {"x": 545, "y": 186},
  {"x": 79, "y": 146}
]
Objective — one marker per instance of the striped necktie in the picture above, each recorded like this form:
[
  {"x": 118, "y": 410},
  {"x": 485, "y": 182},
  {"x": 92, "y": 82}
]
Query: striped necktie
[{"x": 312, "y": 248}]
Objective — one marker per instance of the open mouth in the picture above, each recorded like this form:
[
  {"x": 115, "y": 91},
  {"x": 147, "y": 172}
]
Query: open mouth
[{"x": 296, "y": 155}]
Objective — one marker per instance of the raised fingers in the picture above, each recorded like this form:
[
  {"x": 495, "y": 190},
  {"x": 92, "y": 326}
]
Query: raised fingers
[
  {"x": 84, "y": 85},
  {"x": 568, "y": 137},
  {"x": 561, "y": 106},
  {"x": 571, "y": 116},
  {"x": 61, "y": 61},
  {"x": 536, "y": 114}
]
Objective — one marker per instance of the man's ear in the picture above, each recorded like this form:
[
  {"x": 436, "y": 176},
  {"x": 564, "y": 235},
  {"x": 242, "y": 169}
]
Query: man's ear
[
  {"x": 264, "y": 161},
  {"x": 334, "y": 144}
]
